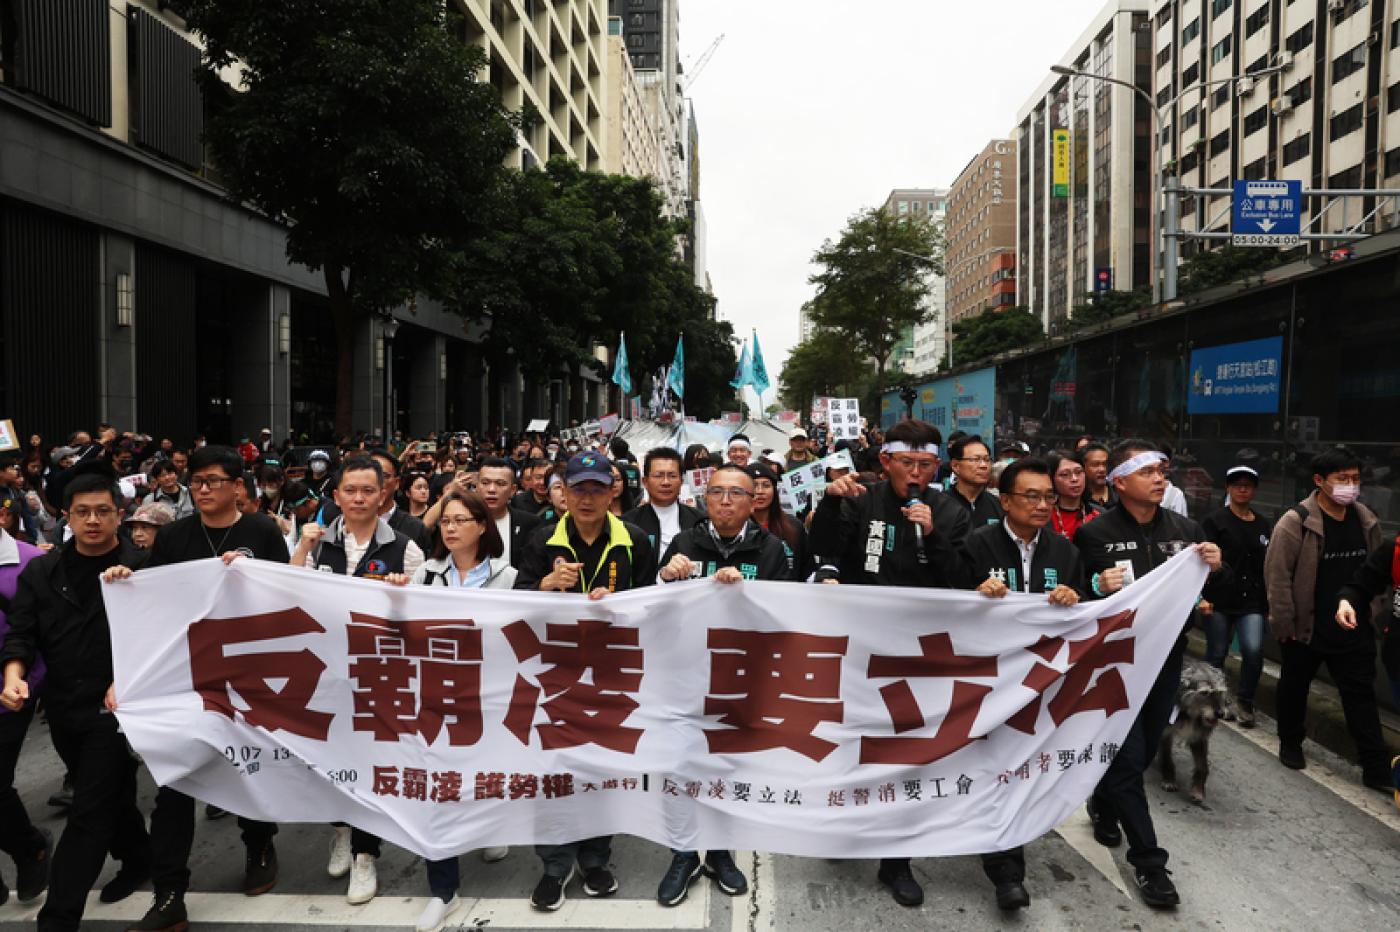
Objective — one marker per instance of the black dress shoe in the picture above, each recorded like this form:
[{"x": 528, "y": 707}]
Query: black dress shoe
[
  {"x": 125, "y": 882},
  {"x": 1106, "y": 830},
  {"x": 1291, "y": 756},
  {"x": 1157, "y": 888},
  {"x": 897, "y": 876},
  {"x": 1012, "y": 895}
]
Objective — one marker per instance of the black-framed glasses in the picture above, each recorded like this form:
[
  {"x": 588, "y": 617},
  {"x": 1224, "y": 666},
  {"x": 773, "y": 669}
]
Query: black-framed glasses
[{"x": 208, "y": 482}]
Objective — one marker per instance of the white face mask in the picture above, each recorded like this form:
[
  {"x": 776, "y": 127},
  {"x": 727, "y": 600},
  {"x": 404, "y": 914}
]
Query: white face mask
[
  {"x": 1345, "y": 494},
  {"x": 318, "y": 467}
]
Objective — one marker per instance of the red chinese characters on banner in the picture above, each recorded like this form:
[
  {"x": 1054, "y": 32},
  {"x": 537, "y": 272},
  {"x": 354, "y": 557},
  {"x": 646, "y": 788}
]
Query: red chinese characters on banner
[
  {"x": 216, "y": 674},
  {"x": 937, "y": 658},
  {"x": 416, "y": 677},
  {"x": 577, "y": 712},
  {"x": 773, "y": 688},
  {"x": 1107, "y": 694}
]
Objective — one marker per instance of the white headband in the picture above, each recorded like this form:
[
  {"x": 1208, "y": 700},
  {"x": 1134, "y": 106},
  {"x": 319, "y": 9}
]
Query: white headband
[
  {"x": 740, "y": 442},
  {"x": 899, "y": 446},
  {"x": 1128, "y": 467}
]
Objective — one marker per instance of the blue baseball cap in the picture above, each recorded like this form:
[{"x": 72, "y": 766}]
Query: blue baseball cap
[{"x": 588, "y": 467}]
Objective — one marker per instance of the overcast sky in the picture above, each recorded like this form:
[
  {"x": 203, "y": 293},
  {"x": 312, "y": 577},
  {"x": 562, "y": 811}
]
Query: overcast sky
[{"x": 813, "y": 109}]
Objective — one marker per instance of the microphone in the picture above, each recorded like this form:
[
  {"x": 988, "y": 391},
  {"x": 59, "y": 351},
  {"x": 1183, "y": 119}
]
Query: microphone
[{"x": 914, "y": 499}]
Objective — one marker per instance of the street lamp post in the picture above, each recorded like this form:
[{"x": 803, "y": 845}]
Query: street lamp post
[{"x": 1168, "y": 229}]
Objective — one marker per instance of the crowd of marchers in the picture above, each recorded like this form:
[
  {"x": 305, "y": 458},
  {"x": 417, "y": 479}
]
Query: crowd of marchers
[{"x": 541, "y": 512}]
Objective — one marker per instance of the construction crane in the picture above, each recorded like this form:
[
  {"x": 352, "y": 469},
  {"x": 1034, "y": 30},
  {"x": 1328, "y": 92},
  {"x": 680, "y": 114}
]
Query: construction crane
[{"x": 701, "y": 62}]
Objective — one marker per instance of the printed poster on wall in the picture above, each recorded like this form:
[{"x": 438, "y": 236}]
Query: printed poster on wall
[
  {"x": 1237, "y": 378},
  {"x": 964, "y": 402}
]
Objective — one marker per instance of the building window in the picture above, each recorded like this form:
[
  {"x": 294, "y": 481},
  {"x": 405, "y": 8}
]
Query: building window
[
  {"x": 1256, "y": 21},
  {"x": 1348, "y": 121},
  {"x": 1300, "y": 39},
  {"x": 1192, "y": 30},
  {"x": 1221, "y": 50},
  {"x": 1259, "y": 64},
  {"x": 1346, "y": 180},
  {"x": 1395, "y": 34},
  {"x": 1256, "y": 121},
  {"x": 1392, "y": 98},
  {"x": 1221, "y": 96},
  {"x": 1219, "y": 6},
  {"x": 1165, "y": 95},
  {"x": 1219, "y": 143},
  {"x": 1164, "y": 56},
  {"x": 1349, "y": 63},
  {"x": 1190, "y": 117},
  {"x": 1188, "y": 162},
  {"x": 1254, "y": 171},
  {"x": 1164, "y": 15},
  {"x": 1301, "y": 92},
  {"x": 1296, "y": 149},
  {"x": 1189, "y": 76},
  {"x": 1392, "y": 162}
]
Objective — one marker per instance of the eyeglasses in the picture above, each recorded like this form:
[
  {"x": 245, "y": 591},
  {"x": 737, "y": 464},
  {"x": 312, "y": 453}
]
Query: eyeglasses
[
  {"x": 1036, "y": 498},
  {"x": 208, "y": 482},
  {"x": 977, "y": 460},
  {"x": 83, "y": 514},
  {"x": 728, "y": 494},
  {"x": 913, "y": 465},
  {"x": 456, "y": 521}
]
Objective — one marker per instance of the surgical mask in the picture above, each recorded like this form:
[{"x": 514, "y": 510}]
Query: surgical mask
[
  {"x": 318, "y": 467},
  {"x": 271, "y": 491},
  {"x": 1345, "y": 494}
]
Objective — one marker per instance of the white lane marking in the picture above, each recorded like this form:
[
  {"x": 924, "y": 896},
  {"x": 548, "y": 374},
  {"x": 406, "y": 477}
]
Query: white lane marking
[
  {"x": 401, "y": 911},
  {"x": 1347, "y": 786},
  {"x": 1078, "y": 833}
]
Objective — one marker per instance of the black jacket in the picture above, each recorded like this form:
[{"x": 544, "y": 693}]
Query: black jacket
[
  {"x": 982, "y": 511},
  {"x": 522, "y": 525},
  {"x": 382, "y": 556},
  {"x": 801, "y": 559},
  {"x": 757, "y": 554},
  {"x": 524, "y": 500},
  {"x": 1116, "y": 535},
  {"x": 627, "y": 561},
  {"x": 46, "y": 617},
  {"x": 644, "y": 517},
  {"x": 1242, "y": 548},
  {"x": 866, "y": 540},
  {"x": 1055, "y": 561},
  {"x": 412, "y": 528}
]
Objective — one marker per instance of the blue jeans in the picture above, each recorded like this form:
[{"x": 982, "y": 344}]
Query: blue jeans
[{"x": 1250, "y": 628}]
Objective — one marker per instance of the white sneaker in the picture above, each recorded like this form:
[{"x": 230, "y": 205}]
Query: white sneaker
[
  {"x": 339, "y": 864},
  {"x": 364, "y": 880},
  {"x": 436, "y": 913},
  {"x": 494, "y": 854}
]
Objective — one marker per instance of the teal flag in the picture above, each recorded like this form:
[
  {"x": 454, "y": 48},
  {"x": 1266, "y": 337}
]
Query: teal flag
[
  {"x": 677, "y": 377},
  {"x": 743, "y": 375},
  {"x": 759, "y": 378},
  {"x": 621, "y": 377}
]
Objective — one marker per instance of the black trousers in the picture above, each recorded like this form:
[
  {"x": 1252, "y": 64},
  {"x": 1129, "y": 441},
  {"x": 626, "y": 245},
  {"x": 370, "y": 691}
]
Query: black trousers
[
  {"x": 18, "y": 837},
  {"x": 103, "y": 816},
  {"x": 1120, "y": 793},
  {"x": 1005, "y": 866},
  {"x": 1355, "y": 675},
  {"x": 172, "y": 838}
]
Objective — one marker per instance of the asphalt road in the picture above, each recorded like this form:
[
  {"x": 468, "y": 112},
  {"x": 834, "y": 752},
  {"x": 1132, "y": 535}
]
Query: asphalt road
[{"x": 1270, "y": 849}]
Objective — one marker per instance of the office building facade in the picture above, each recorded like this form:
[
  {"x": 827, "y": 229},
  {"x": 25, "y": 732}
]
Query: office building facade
[
  {"x": 981, "y": 233},
  {"x": 1083, "y": 163},
  {"x": 923, "y": 345}
]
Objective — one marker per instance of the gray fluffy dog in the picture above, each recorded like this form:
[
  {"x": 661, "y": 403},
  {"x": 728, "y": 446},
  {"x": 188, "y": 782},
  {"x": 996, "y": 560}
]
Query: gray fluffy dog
[{"x": 1202, "y": 700}]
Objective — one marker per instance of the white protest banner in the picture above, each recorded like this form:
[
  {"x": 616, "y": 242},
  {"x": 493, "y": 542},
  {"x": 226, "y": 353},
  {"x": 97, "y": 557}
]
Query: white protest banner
[
  {"x": 609, "y": 424},
  {"x": 825, "y": 721},
  {"x": 843, "y": 418}
]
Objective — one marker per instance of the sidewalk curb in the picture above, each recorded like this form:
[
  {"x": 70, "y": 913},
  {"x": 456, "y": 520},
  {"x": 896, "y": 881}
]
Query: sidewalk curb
[{"x": 1326, "y": 723}]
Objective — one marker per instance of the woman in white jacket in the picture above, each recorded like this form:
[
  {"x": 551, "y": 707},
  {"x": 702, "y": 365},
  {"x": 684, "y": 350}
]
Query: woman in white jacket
[{"x": 466, "y": 555}]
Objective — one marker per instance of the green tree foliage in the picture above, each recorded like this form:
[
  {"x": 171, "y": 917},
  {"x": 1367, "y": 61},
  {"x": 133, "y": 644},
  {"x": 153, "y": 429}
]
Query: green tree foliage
[
  {"x": 363, "y": 126},
  {"x": 1226, "y": 264},
  {"x": 823, "y": 364},
  {"x": 992, "y": 332},
  {"x": 868, "y": 291},
  {"x": 1103, "y": 306},
  {"x": 567, "y": 258}
]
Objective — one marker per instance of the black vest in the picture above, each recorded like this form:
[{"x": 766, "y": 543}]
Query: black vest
[{"x": 378, "y": 561}]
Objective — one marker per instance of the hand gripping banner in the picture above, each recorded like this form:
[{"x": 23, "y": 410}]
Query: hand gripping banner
[{"x": 827, "y": 721}]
